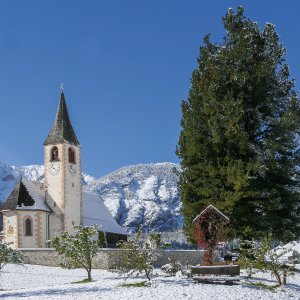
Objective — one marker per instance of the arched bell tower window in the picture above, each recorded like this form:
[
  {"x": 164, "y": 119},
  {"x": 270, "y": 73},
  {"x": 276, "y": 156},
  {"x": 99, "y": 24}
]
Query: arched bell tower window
[
  {"x": 28, "y": 227},
  {"x": 71, "y": 156},
  {"x": 54, "y": 154}
]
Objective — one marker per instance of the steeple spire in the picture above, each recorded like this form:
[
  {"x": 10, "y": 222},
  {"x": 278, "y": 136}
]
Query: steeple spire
[{"x": 62, "y": 130}]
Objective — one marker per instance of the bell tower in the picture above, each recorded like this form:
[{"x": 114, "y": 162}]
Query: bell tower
[{"x": 63, "y": 173}]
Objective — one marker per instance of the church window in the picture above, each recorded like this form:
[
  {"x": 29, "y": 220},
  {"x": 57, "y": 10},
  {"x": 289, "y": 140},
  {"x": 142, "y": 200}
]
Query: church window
[
  {"x": 54, "y": 154},
  {"x": 28, "y": 227},
  {"x": 71, "y": 156}
]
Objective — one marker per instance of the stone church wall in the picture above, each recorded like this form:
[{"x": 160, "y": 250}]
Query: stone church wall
[{"x": 108, "y": 258}]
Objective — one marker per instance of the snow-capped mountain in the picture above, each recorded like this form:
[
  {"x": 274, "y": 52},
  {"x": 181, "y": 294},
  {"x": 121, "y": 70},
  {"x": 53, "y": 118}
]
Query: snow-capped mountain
[
  {"x": 7, "y": 181},
  {"x": 144, "y": 194},
  {"x": 34, "y": 172}
]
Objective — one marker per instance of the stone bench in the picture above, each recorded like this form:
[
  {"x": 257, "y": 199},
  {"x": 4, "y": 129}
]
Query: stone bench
[{"x": 216, "y": 274}]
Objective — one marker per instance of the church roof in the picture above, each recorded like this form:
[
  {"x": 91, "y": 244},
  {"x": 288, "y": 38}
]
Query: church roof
[
  {"x": 27, "y": 195},
  {"x": 96, "y": 213},
  {"x": 62, "y": 130}
]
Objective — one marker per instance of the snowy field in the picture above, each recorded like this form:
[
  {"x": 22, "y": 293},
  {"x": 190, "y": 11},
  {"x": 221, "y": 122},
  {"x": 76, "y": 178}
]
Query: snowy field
[{"x": 38, "y": 282}]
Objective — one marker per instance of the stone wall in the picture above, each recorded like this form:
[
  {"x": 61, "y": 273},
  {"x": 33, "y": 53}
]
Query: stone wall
[{"x": 108, "y": 258}]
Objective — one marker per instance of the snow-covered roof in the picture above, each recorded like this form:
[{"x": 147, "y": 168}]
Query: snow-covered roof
[
  {"x": 27, "y": 195},
  {"x": 96, "y": 213},
  {"x": 213, "y": 208},
  {"x": 37, "y": 192}
]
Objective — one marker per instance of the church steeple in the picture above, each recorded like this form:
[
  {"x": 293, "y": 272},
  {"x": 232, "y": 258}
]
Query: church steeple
[
  {"x": 63, "y": 173},
  {"x": 62, "y": 130}
]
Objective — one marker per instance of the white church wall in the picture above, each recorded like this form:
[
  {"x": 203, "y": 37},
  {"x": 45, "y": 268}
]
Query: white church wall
[
  {"x": 10, "y": 229},
  {"x": 55, "y": 191},
  {"x": 73, "y": 190},
  {"x": 26, "y": 241},
  {"x": 38, "y": 229},
  {"x": 56, "y": 222},
  {"x": 64, "y": 190},
  {"x": 15, "y": 232}
]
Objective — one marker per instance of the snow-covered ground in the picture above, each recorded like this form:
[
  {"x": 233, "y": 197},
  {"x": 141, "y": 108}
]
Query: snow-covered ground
[{"x": 38, "y": 282}]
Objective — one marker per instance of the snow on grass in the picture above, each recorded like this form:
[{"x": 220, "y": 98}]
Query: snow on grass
[{"x": 39, "y": 282}]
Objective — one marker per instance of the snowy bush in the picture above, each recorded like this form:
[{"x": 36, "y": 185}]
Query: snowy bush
[
  {"x": 79, "y": 249},
  {"x": 167, "y": 245},
  {"x": 9, "y": 255},
  {"x": 137, "y": 257},
  {"x": 171, "y": 239},
  {"x": 265, "y": 258},
  {"x": 172, "y": 268},
  {"x": 154, "y": 240},
  {"x": 273, "y": 260},
  {"x": 294, "y": 258}
]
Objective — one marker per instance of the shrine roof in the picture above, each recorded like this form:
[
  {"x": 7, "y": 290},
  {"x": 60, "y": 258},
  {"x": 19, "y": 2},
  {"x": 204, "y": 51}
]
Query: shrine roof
[{"x": 211, "y": 207}]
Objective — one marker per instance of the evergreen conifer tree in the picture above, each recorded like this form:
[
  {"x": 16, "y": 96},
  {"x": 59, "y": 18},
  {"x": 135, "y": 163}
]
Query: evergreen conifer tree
[{"x": 240, "y": 133}]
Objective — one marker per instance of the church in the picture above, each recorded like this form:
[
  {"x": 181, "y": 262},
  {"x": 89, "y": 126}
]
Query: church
[{"x": 35, "y": 212}]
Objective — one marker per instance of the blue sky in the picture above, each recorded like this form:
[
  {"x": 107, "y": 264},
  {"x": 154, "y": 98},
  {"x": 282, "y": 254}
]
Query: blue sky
[{"x": 125, "y": 65}]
